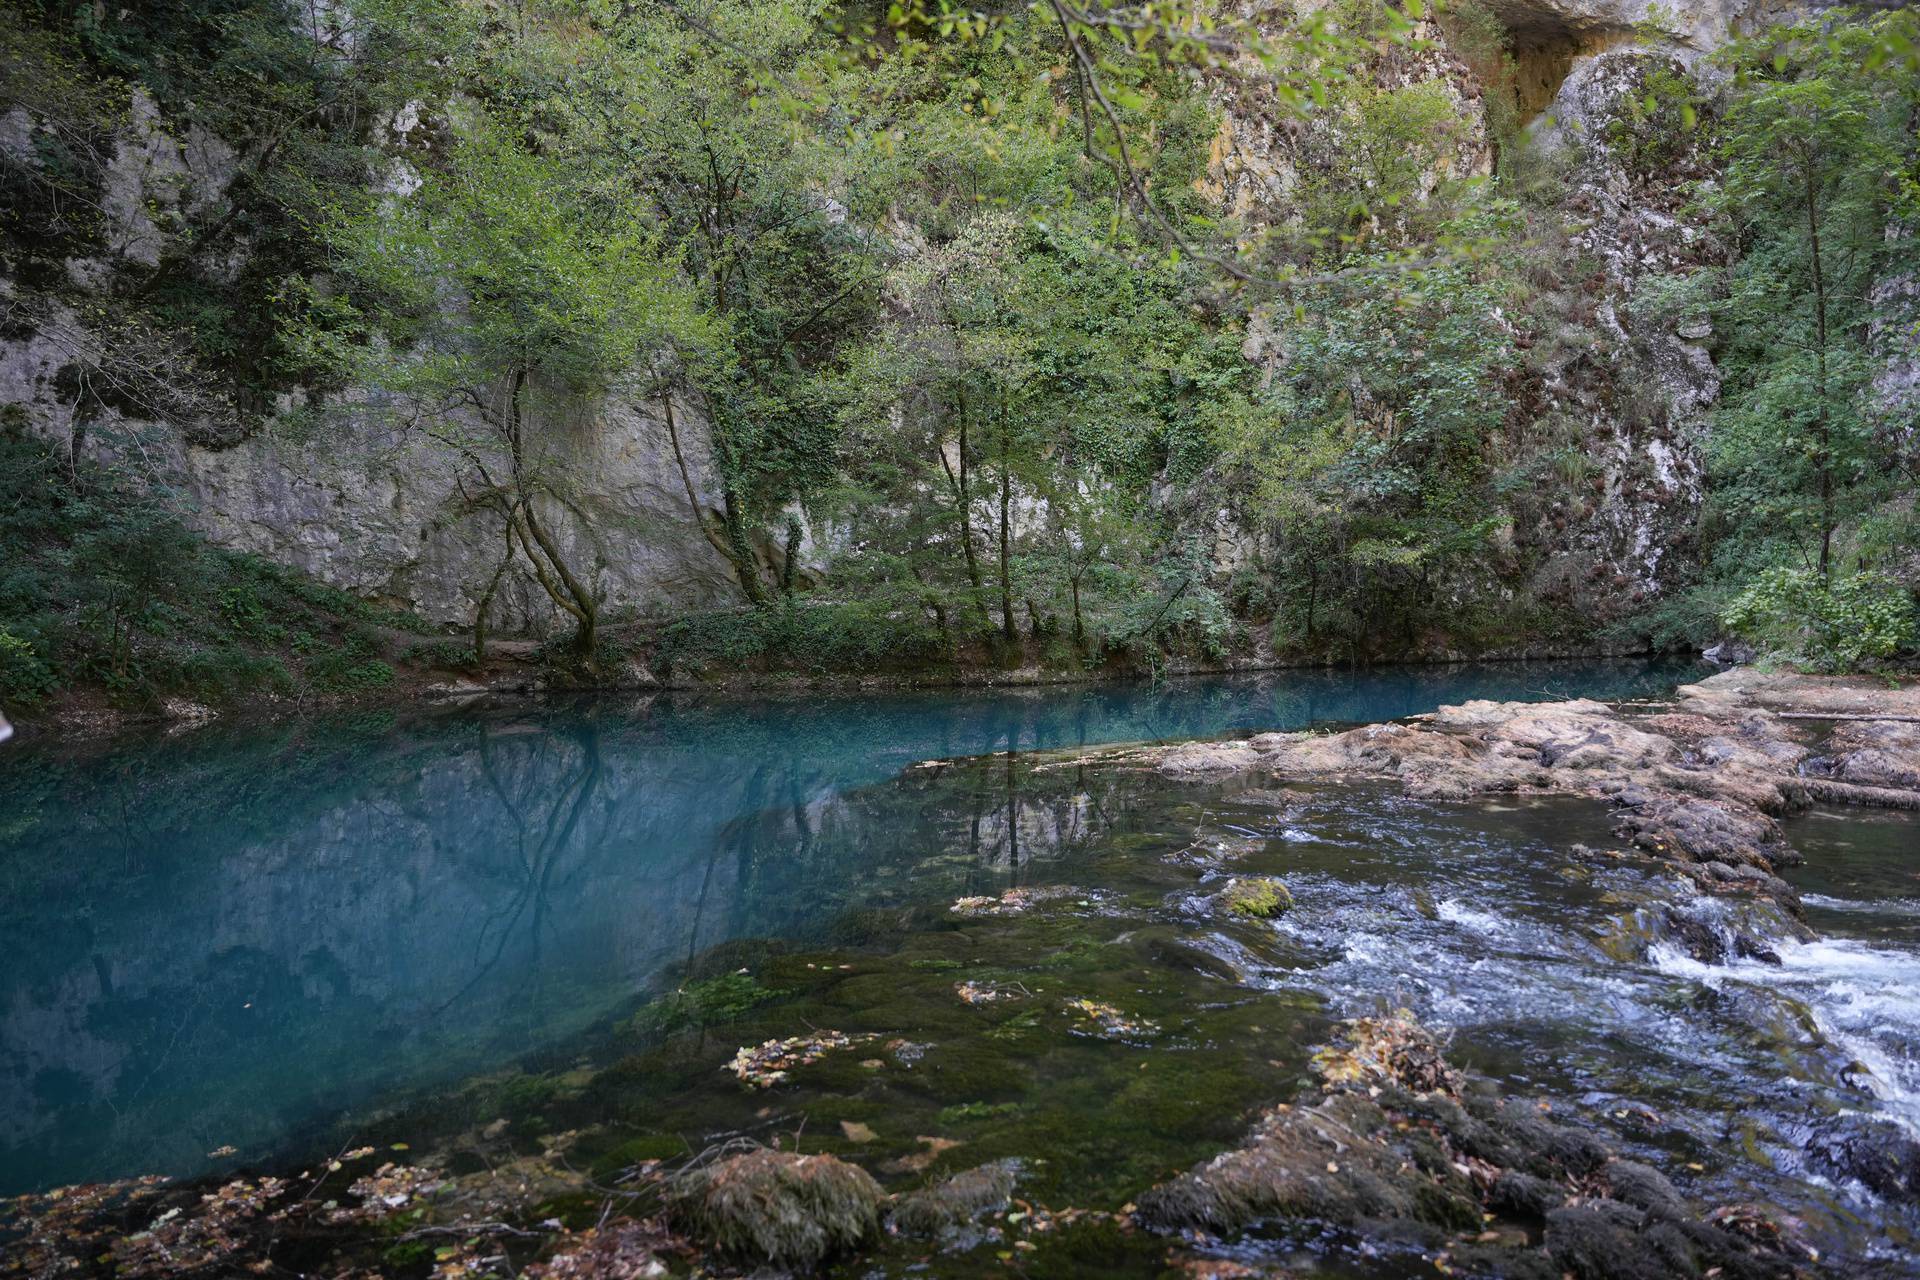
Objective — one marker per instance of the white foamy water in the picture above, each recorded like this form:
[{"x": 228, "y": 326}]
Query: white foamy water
[
  {"x": 1472, "y": 919},
  {"x": 1864, "y": 999},
  {"x": 1878, "y": 907}
]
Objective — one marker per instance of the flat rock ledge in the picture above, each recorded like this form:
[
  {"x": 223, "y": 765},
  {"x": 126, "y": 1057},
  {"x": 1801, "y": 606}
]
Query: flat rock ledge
[{"x": 1701, "y": 782}]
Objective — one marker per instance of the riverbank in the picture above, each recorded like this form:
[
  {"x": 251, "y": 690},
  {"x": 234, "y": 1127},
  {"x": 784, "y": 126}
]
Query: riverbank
[
  {"x": 1703, "y": 781},
  {"x": 518, "y": 673}
]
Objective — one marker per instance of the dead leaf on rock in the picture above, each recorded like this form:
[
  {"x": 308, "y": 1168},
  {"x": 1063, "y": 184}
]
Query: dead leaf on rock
[
  {"x": 920, "y": 1161},
  {"x": 759, "y": 1067}
]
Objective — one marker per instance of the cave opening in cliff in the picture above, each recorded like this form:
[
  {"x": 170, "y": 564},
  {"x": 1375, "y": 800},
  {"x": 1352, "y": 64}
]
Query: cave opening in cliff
[{"x": 1544, "y": 44}]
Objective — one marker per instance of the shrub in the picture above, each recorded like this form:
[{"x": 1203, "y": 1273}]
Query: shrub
[
  {"x": 347, "y": 672},
  {"x": 25, "y": 677},
  {"x": 227, "y": 674},
  {"x": 1797, "y": 616},
  {"x": 810, "y": 637},
  {"x": 102, "y": 584},
  {"x": 701, "y": 1004}
]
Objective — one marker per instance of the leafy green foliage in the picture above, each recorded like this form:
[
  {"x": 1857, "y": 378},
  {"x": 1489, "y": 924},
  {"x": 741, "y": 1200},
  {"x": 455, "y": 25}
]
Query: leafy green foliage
[
  {"x": 1654, "y": 130},
  {"x": 102, "y": 586},
  {"x": 702, "y": 1003},
  {"x": 1371, "y": 457},
  {"x": 972, "y": 297},
  {"x": 1837, "y": 624},
  {"x": 1809, "y": 470},
  {"x": 799, "y": 636}
]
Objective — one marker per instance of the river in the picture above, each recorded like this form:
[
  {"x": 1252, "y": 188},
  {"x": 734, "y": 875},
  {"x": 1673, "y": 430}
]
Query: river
[{"x": 245, "y": 943}]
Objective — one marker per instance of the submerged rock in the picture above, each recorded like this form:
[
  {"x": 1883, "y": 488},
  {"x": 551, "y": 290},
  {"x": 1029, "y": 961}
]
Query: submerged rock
[
  {"x": 1014, "y": 901},
  {"x": 770, "y": 1063},
  {"x": 776, "y": 1207},
  {"x": 946, "y": 1208},
  {"x": 1878, "y": 1154},
  {"x": 1208, "y": 759},
  {"x": 619, "y": 1250}
]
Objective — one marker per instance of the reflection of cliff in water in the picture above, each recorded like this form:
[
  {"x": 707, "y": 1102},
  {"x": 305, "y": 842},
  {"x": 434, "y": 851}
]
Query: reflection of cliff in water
[{"x": 205, "y": 955}]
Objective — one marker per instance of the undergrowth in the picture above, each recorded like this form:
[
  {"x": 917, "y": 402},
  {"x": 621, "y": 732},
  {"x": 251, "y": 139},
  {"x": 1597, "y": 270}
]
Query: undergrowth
[{"x": 103, "y": 588}]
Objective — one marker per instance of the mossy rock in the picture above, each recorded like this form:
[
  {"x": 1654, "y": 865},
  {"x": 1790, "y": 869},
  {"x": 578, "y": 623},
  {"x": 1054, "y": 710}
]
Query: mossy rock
[
  {"x": 949, "y": 1205},
  {"x": 776, "y": 1207},
  {"x": 1256, "y": 897}
]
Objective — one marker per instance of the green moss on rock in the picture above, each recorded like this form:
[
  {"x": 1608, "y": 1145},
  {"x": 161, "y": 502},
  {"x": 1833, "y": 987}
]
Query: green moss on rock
[
  {"x": 1257, "y": 897},
  {"x": 776, "y": 1207}
]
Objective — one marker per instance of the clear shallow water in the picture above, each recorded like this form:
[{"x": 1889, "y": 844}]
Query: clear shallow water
[{"x": 245, "y": 936}]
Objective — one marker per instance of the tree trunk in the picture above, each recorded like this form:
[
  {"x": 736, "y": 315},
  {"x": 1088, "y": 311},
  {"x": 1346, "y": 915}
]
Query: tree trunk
[
  {"x": 729, "y": 546},
  {"x": 1006, "y": 581},
  {"x": 746, "y": 567},
  {"x": 568, "y": 591},
  {"x": 792, "y": 556},
  {"x": 1313, "y": 594},
  {"x": 1823, "y": 421},
  {"x": 486, "y": 602},
  {"x": 930, "y": 599},
  {"x": 964, "y": 495}
]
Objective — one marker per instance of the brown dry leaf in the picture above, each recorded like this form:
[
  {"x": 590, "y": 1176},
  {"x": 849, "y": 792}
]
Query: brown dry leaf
[
  {"x": 920, "y": 1161},
  {"x": 768, "y": 1064},
  {"x": 857, "y": 1132}
]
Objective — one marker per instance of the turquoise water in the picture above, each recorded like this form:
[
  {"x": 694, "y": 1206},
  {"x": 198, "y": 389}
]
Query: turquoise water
[{"x": 249, "y": 936}]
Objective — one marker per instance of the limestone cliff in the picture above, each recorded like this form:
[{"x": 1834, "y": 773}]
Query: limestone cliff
[
  {"x": 1619, "y": 397},
  {"x": 368, "y": 507},
  {"x": 1611, "y": 401}
]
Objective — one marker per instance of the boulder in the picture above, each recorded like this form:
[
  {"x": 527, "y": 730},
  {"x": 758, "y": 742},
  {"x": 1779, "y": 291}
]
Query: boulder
[
  {"x": 1873, "y": 753},
  {"x": 1880, "y": 1155},
  {"x": 951, "y": 1205},
  {"x": 1401, "y": 1146},
  {"x": 1257, "y": 897},
  {"x": 779, "y": 1208},
  {"x": 1208, "y": 759}
]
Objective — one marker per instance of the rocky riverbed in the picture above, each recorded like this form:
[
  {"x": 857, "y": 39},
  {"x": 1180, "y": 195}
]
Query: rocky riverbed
[{"x": 1702, "y": 781}]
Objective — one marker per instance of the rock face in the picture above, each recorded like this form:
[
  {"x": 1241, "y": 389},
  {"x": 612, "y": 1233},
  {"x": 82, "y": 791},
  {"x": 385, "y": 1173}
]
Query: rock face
[
  {"x": 372, "y": 509},
  {"x": 1630, "y": 398},
  {"x": 380, "y": 513}
]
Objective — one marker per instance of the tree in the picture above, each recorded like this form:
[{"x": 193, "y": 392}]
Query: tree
[
  {"x": 1371, "y": 457},
  {"x": 486, "y": 305},
  {"x": 1813, "y": 145},
  {"x": 696, "y": 114}
]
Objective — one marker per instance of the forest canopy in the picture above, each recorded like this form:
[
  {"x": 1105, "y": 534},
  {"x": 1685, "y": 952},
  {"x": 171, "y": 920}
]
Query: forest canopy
[{"x": 1072, "y": 334}]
